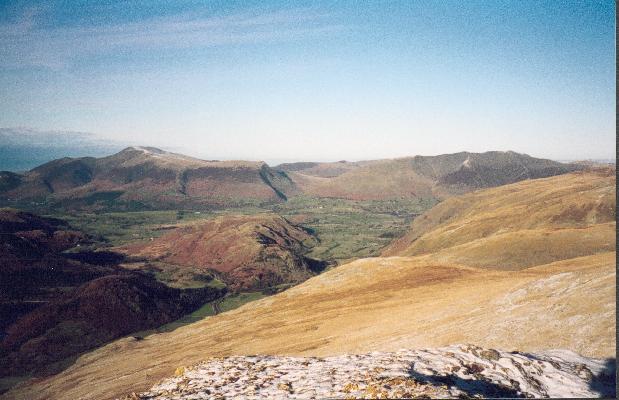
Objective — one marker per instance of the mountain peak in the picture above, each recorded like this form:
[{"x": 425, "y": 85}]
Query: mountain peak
[
  {"x": 143, "y": 149},
  {"x": 139, "y": 154}
]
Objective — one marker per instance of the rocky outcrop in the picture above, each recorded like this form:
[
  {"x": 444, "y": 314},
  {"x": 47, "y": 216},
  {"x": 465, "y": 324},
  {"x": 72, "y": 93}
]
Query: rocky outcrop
[{"x": 459, "y": 371}]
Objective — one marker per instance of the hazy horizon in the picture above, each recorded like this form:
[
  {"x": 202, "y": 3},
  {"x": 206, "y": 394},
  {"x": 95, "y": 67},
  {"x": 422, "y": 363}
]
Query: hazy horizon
[
  {"x": 22, "y": 149},
  {"x": 320, "y": 81}
]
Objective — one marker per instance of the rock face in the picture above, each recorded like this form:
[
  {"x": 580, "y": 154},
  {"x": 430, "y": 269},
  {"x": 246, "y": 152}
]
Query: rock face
[
  {"x": 457, "y": 371},
  {"x": 249, "y": 252}
]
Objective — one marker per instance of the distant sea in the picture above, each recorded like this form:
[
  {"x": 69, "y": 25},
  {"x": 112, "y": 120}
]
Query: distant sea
[
  {"x": 19, "y": 158},
  {"x": 22, "y": 149}
]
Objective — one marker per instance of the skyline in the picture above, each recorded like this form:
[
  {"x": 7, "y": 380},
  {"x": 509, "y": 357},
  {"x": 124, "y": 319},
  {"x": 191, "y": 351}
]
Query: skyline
[{"x": 326, "y": 81}]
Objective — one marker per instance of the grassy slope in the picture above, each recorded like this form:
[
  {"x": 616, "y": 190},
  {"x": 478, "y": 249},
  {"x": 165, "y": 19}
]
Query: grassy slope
[
  {"x": 382, "y": 179},
  {"x": 542, "y": 220},
  {"x": 383, "y": 304},
  {"x": 435, "y": 177},
  {"x": 373, "y": 305}
]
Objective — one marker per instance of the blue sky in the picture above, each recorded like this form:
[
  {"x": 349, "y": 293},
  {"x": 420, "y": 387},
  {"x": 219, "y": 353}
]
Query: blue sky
[{"x": 323, "y": 80}]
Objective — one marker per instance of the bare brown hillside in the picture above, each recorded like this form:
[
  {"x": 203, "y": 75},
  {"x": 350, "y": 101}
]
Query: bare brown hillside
[
  {"x": 148, "y": 178},
  {"x": 56, "y": 305},
  {"x": 250, "y": 252}
]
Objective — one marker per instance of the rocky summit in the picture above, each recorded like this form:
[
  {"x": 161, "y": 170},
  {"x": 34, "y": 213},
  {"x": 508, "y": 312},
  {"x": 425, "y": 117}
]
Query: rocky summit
[{"x": 457, "y": 371}]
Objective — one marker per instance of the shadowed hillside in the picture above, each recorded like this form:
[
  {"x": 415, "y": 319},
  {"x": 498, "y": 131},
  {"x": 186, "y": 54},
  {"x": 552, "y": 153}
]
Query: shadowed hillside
[
  {"x": 386, "y": 304},
  {"x": 32, "y": 271},
  {"x": 95, "y": 313},
  {"x": 55, "y": 305}
]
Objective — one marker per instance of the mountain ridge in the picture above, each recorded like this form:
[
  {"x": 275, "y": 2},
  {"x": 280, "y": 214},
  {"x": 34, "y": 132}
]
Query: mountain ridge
[
  {"x": 22, "y": 149},
  {"x": 142, "y": 177},
  {"x": 146, "y": 177},
  {"x": 436, "y": 177}
]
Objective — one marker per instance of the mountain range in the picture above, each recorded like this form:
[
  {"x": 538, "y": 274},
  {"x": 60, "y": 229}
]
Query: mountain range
[
  {"x": 420, "y": 176},
  {"x": 149, "y": 178},
  {"x": 145, "y": 177}
]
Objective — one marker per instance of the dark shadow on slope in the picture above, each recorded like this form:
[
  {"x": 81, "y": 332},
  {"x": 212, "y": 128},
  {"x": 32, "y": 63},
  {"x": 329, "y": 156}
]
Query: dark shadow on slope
[
  {"x": 107, "y": 258},
  {"x": 605, "y": 383},
  {"x": 316, "y": 266},
  {"x": 476, "y": 386}
]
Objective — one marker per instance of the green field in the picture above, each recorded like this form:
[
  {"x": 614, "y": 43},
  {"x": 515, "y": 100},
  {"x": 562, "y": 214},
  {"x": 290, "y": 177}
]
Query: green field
[
  {"x": 235, "y": 301},
  {"x": 176, "y": 276},
  {"x": 346, "y": 229},
  {"x": 349, "y": 229},
  {"x": 117, "y": 228}
]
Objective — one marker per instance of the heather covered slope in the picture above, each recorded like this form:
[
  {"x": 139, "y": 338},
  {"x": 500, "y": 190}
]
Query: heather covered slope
[
  {"x": 435, "y": 177},
  {"x": 98, "y": 311},
  {"x": 249, "y": 252},
  {"x": 391, "y": 303},
  {"x": 146, "y": 177}
]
